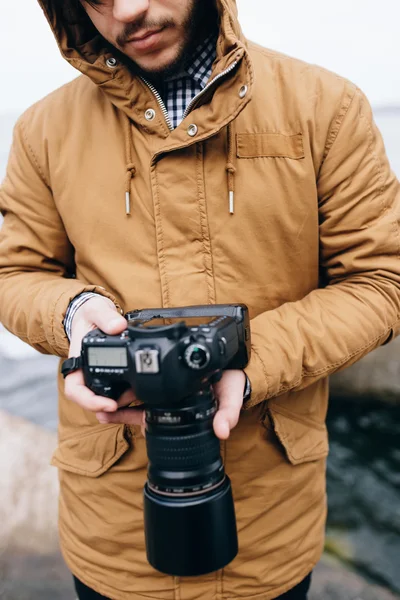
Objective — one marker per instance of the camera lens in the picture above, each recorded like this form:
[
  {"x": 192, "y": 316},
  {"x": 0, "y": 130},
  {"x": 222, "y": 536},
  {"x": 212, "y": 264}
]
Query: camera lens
[
  {"x": 197, "y": 356},
  {"x": 190, "y": 522}
]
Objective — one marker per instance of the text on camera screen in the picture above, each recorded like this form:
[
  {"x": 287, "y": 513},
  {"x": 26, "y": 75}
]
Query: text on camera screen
[{"x": 107, "y": 357}]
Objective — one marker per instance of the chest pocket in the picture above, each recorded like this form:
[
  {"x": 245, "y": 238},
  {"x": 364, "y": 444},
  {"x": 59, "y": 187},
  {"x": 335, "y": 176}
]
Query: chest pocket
[{"x": 273, "y": 145}]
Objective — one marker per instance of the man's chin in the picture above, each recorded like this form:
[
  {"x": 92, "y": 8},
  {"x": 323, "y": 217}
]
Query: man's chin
[
  {"x": 159, "y": 68},
  {"x": 159, "y": 64}
]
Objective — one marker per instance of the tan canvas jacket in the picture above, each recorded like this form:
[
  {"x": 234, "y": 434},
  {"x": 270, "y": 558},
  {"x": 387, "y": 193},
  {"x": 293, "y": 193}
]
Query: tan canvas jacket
[{"x": 312, "y": 248}]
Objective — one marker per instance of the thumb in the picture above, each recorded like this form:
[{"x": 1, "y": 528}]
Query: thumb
[
  {"x": 102, "y": 313},
  {"x": 221, "y": 425},
  {"x": 95, "y": 312},
  {"x": 108, "y": 320}
]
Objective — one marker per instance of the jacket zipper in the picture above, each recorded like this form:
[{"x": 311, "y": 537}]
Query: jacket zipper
[
  {"x": 193, "y": 101},
  {"x": 160, "y": 102},
  {"x": 209, "y": 84}
]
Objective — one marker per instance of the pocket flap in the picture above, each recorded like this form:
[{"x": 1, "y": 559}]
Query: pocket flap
[
  {"x": 302, "y": 441},
  {"x": 258, "y": 145},
  {"x": 92, "y": 452}
]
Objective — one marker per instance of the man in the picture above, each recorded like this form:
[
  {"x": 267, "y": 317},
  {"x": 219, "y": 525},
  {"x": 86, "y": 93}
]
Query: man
[{"x": 271, "y": 188}]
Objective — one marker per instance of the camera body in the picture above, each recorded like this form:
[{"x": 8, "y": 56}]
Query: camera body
[{"x": 166, "y": 355}]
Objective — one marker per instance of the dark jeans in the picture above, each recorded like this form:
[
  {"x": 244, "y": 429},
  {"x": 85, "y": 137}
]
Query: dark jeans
[{"x": 297, "y": 593}]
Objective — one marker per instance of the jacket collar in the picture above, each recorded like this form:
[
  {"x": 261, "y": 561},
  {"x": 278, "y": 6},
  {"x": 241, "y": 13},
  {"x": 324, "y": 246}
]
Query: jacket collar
[{"x": 82, "y": 46}]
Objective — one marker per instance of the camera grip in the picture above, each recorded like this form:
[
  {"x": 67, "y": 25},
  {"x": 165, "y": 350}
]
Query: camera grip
[{"x": 113, "y": 391}]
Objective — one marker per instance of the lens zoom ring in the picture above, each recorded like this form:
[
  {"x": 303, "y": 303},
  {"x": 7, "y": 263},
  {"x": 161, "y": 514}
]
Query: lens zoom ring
[{"x": 188, "y": 451}]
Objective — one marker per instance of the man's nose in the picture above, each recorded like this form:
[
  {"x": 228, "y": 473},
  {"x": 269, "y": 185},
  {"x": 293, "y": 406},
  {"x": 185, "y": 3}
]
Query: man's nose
[{"x": 127, "y": 11}]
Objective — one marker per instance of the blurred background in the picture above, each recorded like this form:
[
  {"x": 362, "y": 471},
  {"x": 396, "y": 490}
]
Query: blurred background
[{"x": 359, "y": 40}]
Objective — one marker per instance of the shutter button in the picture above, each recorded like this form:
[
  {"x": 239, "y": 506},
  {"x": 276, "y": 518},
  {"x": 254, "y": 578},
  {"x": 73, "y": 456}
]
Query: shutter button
[
  {"x": 150, "y": 114},
  {"x": 111, "y": 62},
  {"x": 243, "y": 91},
  {"x": 192, "y": 130}
]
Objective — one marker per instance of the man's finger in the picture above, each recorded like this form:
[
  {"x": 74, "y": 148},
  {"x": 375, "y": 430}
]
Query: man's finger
[
  {"x": 76, "y": 391},
  {"x": 226, "y": 419},
  {"x": 143, "y": 425},
  {"x": 124, "y": 416},
  {"x": 229, "y": 392}
]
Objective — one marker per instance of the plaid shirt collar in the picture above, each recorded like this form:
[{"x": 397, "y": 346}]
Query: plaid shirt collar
[
  {"x": 180, "y": 89},
  {"x": 200, "y": 66}
]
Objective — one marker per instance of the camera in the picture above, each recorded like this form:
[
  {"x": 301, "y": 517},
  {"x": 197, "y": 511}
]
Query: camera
[{"x": 171, "y": 358}]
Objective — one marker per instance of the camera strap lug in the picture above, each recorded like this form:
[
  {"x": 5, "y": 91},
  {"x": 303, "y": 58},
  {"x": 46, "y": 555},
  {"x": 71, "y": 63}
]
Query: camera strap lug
[{"x": 71, "y": 365}]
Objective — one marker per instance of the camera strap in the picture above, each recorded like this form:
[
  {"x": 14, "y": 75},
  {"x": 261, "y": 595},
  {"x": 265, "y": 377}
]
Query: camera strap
[{"x": 71, "y": 365}]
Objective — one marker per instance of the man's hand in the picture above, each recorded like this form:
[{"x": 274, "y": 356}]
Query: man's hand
[
  {"x": 229, "y": 392},
  {"x": 97, "y": 312}
]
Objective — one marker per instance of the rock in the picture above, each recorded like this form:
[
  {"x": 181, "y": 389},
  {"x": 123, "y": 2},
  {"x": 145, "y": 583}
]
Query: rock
[
  {"x": 28, "y": 385},
  {"x": 363, "y": 486},
  {"x": 332, "y": 581},
  {"x": 29, "y": 576},
  {"x": 376, "y": 376},
  {"x": 28, "y": 511},
  {"x": 31, "y": 566}
]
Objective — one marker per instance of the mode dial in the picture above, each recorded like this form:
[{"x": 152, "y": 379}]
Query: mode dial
[{"x": 197, "y": 356}]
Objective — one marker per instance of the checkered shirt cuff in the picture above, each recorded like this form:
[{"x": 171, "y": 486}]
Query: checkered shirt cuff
[
  {"x": 73, "y": 307},
  {"x": 247, "y": 390}
]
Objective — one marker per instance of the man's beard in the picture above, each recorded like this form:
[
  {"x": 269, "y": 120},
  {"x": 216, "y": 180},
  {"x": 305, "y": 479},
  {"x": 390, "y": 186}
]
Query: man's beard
[{"x": 201, "y": 21}]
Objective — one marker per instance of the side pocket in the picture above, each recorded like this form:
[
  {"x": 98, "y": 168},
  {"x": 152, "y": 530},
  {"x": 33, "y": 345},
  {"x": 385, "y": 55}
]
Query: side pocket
[
  {"x": 302, "y": 440},
  {"x": 93, "y": 451}
]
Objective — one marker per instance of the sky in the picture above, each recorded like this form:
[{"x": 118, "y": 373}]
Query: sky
[{"x": 358, "y": 39}]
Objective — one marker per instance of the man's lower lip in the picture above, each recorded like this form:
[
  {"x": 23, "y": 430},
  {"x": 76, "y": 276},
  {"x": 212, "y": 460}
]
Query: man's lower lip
[{"x": 148, "y": 42}]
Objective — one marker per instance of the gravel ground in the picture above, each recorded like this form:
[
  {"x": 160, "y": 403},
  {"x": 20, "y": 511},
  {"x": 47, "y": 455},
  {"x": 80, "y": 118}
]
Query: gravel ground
[{"x": 45, "y": 577}]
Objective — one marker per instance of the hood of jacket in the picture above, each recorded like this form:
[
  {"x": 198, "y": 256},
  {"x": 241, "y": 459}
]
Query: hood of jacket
[{"x": 86, "y": 50}]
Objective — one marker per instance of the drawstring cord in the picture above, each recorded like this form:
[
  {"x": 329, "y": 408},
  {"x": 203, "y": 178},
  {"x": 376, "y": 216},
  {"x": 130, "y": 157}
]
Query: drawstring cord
[
  {"x": 130, "y": 174},
  {"x": 130, "y": 167},
  {"x": 231, "y": 169}
]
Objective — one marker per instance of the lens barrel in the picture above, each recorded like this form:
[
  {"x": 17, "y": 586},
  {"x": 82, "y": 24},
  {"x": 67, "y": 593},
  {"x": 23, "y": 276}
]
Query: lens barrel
[
  {"x": 190, "y": 523},
  {"x": 190, "y": 537}
]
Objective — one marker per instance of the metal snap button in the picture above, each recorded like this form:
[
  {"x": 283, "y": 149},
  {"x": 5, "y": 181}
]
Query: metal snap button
[
  {"x": 111, "y": 62},
  {"x": 192, "y": 130},
  {"x": 150, "y": 114},
  {"x": 243, "y": 91}
]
